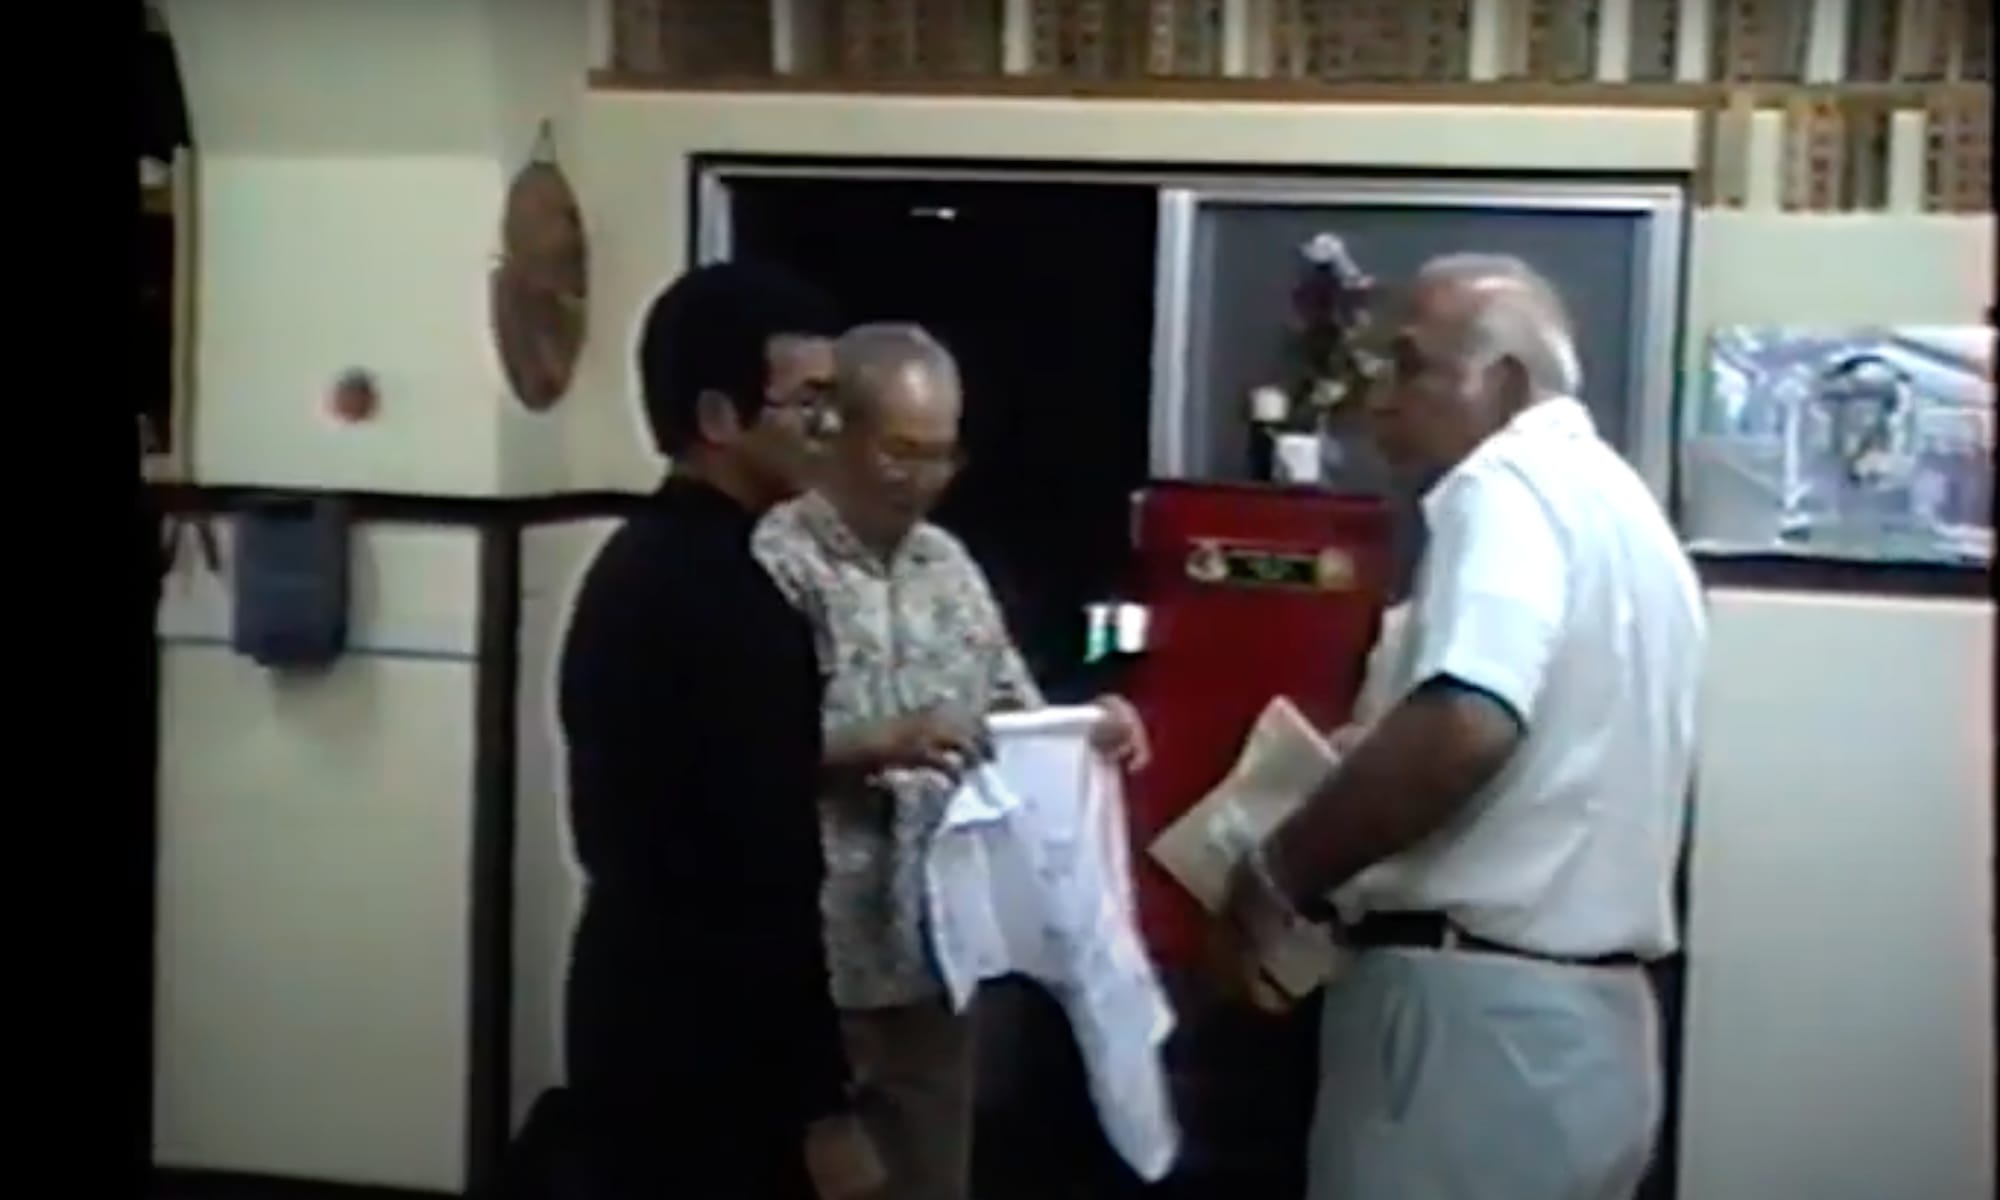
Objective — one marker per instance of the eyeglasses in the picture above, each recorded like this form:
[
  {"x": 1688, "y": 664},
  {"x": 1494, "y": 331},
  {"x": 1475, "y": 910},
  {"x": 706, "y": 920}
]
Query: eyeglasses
[{"x": 812, "y": 407}]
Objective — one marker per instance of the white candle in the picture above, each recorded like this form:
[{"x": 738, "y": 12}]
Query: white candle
[{"x": 1268, "y": 405}]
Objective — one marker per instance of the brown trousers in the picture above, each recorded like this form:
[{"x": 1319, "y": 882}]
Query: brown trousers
[{"x": 914, "y": 1067}]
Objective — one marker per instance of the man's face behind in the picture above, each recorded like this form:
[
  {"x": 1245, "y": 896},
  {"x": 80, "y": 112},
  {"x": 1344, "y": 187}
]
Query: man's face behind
[
  {"x": 778, "y": 446},
  {"x": 904, "y": 454}
]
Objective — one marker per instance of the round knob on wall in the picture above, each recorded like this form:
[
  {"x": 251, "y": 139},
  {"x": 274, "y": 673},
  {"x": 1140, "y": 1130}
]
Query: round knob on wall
[{"x": 355, "y": 397}]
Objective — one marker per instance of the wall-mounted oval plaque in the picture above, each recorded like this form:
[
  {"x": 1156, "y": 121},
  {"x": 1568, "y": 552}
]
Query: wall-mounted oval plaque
[{"x": 540, "y": 288}]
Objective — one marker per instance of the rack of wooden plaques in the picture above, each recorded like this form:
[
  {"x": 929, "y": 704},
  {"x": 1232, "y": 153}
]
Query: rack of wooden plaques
[
  {"x": 899, "y": 39},
  {"x": 1759, "y": 40},
  {"x": 1836, "y": 153},
  {"x": 1414, "y": 41},
  {"x": 1958, "y": 154},
  {"x": 1419, "y": 42},
  {"x": 1125, "y": 39},
  {"x": 691, "y": 39},
  {"x": 1894, "y": 69},
  {"x": 1815, "y": 162},
  {"x": 1919, "y": 41},
  {"x": 1653, "y": 42},
  {"x": 1552, "y": 40}
]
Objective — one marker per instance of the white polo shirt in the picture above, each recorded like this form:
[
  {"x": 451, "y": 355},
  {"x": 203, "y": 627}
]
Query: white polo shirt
[{"x": 1553, "y": 581}]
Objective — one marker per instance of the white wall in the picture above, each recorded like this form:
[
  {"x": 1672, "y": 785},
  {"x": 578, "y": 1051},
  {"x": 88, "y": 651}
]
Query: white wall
[
  {"x": 315, "y": 882},
  {"x": 1760, "y": 265},
  {"x": 315, "y": 842},
  {"x": 1839, "y": 1035},
  {"x": 354, "y": 157},
  {"x": 1840, "y": 940},
  {"x": 315, "y": 874}
]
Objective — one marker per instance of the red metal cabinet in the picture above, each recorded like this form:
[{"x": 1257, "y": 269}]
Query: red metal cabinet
[{"x": 1251, "y": 592}]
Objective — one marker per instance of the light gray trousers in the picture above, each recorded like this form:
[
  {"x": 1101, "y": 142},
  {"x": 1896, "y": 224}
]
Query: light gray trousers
[{"x": 1452, "y": 1075}]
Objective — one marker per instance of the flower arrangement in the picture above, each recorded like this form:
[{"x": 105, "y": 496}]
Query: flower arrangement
[{"x": 1329, "y": 304}]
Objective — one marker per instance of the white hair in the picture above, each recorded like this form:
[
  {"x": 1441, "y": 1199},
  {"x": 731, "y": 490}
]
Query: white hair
[
  {"x": 867, "y": 357},
  {"x": 1516, "y": 312}
]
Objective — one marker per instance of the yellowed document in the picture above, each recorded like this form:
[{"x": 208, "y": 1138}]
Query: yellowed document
[{"x": 1284, "y": 759}]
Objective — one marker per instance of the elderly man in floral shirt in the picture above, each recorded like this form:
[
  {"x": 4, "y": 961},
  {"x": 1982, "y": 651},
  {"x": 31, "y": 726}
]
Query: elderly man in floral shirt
[{"x": 915, "y": 654}]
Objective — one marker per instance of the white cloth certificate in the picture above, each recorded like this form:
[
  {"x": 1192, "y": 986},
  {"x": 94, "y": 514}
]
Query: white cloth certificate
[{"x": 1030, "y": 874}]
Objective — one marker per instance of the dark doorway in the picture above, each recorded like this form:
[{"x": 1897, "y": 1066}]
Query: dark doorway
[{"x": 1044, "y": 292}]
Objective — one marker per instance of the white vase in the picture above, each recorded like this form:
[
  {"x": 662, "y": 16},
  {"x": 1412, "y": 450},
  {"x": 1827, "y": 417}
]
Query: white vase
[{"x": 1296, "y": 458}]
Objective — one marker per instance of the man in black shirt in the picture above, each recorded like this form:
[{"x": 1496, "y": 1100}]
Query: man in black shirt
[{"x": 704, "y": 1053}]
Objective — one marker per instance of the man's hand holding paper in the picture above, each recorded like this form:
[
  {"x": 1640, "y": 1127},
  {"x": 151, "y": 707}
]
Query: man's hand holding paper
[{"x": 1208, "y": 849}]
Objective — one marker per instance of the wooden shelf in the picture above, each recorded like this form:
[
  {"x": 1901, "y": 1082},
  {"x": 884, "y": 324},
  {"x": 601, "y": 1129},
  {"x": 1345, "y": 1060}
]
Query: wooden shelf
[{"x": 1288, "y": 91}]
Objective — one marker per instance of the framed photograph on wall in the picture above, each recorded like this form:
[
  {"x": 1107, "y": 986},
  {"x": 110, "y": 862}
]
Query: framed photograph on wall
[{"x": 1868, "y": 445}]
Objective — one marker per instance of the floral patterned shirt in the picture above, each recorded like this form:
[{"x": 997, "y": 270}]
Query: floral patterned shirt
[{"x": 918, "y": 631}]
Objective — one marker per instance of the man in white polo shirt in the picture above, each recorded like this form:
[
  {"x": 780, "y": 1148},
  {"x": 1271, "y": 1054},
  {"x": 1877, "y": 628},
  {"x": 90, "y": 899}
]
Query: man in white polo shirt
[{"x": 1500, "y": 843}]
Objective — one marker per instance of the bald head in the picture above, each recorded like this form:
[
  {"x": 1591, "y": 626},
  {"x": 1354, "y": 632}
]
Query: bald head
[
  {"x": 1503, "y": 308},
  {"x": 885, "y": 366},
  {"x": 897, "y": 391},
  {"x": 1478, "y": 338}
]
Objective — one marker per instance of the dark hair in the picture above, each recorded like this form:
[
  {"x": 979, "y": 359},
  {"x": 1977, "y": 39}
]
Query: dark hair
[{"x": 710, "y": 331}]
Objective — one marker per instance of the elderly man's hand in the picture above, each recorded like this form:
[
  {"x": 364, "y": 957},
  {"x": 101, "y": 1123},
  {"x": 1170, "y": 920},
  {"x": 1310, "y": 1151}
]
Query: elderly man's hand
[
  {"x": 1120, "y": 735},
  {"x": 1251, "y": 918},
  {"x": 936, "y": 738},
  {"x": 1344, "y": 739}
]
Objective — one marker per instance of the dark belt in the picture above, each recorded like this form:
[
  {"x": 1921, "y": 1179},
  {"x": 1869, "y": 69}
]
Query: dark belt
[{"x": 1434, "y": 931}]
